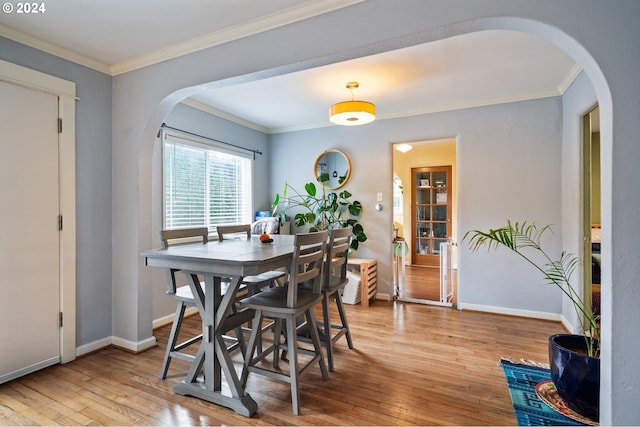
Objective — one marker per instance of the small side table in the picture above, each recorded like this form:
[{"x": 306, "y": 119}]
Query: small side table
[{"x": 368, "y": 278}]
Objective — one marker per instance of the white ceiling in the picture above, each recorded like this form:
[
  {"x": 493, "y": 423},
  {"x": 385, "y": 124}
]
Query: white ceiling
[{"x": 116, "y": 36}]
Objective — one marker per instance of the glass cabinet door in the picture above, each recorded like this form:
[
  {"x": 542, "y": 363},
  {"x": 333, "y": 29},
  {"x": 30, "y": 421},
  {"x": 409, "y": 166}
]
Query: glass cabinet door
[{"x": 431, "y": 210}]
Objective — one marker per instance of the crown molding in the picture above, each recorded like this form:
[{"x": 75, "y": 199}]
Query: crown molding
[
  {"x": 304, "y": 11},
  {"x": 573, "y": 74},
  {"x": 437, "y": 109},
  {"x": 53, "y": 49},
  {"x": 264, "y": 23},
  {"x": 484, "y": 102},
  {"x": 528, "y": 96},
  {"x": 190, "y": 102}
]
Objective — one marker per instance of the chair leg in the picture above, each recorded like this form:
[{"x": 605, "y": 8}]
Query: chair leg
[
  {"x": 240, "y": 337},
  {"x": 239, "y": 333},
  {"x": 251, "y": 347},
  {"x": 328, "y": 341},
  {"x": 343, "y": 319},
  {"x": 173, "y": 339},
  {"x": 292, "y": 342},
  {"x": 315, "y": 338},
  {"x": 277, "y": 333}
]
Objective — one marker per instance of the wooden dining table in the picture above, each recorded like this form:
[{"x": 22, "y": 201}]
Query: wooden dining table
[{"x": 234, "y": 259}]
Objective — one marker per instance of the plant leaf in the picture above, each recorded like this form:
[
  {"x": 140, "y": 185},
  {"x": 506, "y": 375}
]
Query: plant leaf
[
  {"x": 355, "y": 208},
  {"x": 310, "y": 187}
]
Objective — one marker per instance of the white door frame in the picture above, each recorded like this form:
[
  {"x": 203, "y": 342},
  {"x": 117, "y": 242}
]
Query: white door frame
[{"x": 66, "y": 92}]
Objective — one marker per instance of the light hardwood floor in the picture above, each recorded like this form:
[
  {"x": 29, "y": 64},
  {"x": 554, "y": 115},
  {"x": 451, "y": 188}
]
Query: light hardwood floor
[
  {"x": 412, "y": 365},
  {"x": 424, "y": 283}
]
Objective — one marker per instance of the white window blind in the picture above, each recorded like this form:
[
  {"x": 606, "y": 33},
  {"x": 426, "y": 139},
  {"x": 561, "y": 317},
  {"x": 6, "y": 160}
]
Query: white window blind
[{"x": 205, "y": 184}]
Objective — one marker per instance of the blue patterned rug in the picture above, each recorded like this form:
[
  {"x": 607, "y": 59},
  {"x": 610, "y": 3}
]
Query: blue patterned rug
[{"x": 529, "y": 408}]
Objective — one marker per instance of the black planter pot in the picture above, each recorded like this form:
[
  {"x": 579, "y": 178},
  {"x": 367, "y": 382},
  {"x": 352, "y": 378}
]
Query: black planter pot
[{"x": 575, "y": 375}]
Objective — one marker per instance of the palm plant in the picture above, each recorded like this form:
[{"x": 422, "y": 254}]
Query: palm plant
[
  {"x": 321, "y": 212},
  {"x": 523, "y": 238}
]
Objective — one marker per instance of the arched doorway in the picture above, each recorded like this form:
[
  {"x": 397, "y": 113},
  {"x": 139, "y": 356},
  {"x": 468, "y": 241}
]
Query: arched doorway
[{"x": 155, "y": 111}]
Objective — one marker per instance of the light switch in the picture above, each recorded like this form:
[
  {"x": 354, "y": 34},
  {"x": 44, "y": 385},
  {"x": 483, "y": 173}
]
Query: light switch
[{"x": 379, "y": 197}]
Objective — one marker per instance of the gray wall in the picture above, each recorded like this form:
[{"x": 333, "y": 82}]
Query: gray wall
[
  {"x": 509, "y": 167},
  {"x": 93, "y": 185}
]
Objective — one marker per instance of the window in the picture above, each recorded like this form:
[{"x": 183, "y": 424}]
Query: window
[{"x": 205, "y": 184}]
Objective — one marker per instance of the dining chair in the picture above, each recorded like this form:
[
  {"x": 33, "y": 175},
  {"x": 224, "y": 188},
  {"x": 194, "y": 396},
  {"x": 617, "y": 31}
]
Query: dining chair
[
  {"x": 286, "y": 304},
  {"x": 269, "y": 225},
  {"x": 253, "y": 283},
  {"x": 185, "y": 298},
  {"x": 334, "y": 279}
]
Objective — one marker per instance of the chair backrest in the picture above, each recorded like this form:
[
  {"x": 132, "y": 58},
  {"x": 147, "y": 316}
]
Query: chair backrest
[
  {"x": 228, "y": 231},
  {"x": 169, "y": 236},
  {"x": 184, "y": 233},
  {"x": 337, "y": 254},
  {"x": 269, "y": 225},
  {"x": 307, "y": 263}
]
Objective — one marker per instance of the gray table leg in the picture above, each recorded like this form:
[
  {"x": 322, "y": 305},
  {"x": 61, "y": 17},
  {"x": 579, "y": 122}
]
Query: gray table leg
[{"x": 212, "y": 354}]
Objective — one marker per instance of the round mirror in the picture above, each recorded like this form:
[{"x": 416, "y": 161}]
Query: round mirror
[{"x": 332, "y": 169}]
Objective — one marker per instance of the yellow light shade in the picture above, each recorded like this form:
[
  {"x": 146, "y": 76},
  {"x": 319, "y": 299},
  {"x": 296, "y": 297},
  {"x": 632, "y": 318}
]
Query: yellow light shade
[{"x": 352, "y": 113}]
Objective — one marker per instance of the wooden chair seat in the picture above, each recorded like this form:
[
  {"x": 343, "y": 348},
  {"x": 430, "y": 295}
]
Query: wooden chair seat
[
  {"x": 185, "y": 293},
  {"x": 274, "y": 301}
]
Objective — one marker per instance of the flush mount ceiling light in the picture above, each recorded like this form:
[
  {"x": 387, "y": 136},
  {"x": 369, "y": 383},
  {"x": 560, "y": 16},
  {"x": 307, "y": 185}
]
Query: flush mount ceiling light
[
  {"x": 403, "y": 148},
  {"x": 352, "y": 113}
]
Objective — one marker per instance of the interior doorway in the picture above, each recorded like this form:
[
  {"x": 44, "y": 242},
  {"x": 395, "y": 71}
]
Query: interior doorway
[
  {"x": 424, "y": 221},
  {"x": 591, "y": 208},
  {"x": 39, "y": 255}
]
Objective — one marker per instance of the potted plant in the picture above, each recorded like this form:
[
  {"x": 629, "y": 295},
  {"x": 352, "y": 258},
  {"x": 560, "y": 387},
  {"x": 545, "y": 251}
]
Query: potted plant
[
  {"x": 322, "y": 211},
  {"x": 574, "y": 359}
]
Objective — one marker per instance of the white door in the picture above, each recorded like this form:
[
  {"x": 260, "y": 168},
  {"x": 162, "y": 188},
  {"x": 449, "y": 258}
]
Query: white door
[{"x": 29, "y": 236}]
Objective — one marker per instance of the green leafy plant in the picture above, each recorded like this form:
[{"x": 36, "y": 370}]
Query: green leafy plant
[
  {"x": 524, "y": 238},
  {"x": 321, "y": 211}
]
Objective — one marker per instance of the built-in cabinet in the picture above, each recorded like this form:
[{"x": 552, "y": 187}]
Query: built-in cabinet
[{"x": 431, "y": 212}]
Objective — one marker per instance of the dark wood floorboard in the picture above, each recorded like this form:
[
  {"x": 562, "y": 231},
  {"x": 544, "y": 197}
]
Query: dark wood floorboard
[{"x": 412, "y": 364}]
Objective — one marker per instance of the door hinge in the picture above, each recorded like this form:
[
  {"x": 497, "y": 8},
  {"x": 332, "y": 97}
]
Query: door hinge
[
  {"x": 59, "y": 222},
  {"x": 60, "y": 320},
  {"x": 59, "y": 125}
]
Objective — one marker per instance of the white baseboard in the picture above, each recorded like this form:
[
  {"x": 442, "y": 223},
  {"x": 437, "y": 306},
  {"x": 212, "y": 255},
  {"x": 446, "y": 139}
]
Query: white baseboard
[
  {"x": 93, "y": 346},
  {"x": 386, "y": 297},
  {"x": 513, "y": 312},
  {"x": 165, "y": 320},
  {"x": 569, "y": 327},
  {"x": 130, "y": 345},
  {"x": 136, "y": 347}
]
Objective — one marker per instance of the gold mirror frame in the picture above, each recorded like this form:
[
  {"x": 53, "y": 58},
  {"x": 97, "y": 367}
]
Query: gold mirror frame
[{"x": 333, "y": 163}]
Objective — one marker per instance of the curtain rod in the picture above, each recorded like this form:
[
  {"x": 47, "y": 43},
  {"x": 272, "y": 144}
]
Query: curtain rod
[{"x": 165, "y": 126}]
